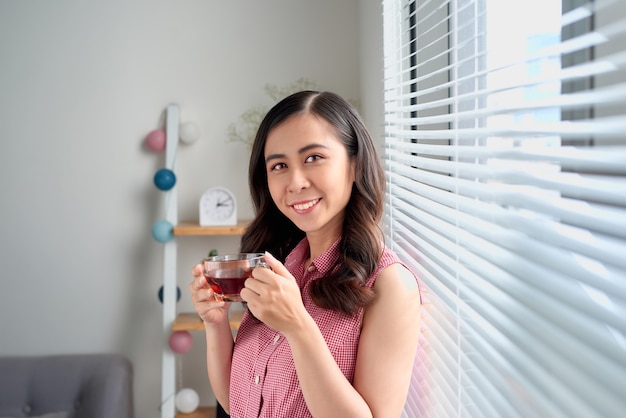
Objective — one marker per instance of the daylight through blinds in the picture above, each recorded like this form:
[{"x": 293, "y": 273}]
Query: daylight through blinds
[{"x": 505, "y": 156}]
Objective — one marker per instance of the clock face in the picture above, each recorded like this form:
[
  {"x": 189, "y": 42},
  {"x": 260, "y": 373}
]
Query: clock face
[{"x": 218, "y": 207}]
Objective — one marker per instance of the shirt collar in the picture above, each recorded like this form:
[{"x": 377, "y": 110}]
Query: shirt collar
[{"x": 324, "y": 263}]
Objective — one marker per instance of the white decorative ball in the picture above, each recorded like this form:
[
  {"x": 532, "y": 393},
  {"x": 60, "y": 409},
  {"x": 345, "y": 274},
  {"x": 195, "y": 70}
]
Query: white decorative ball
[
  {"x": 187, "y": 400},
  {"x": 188, "y": 132}
]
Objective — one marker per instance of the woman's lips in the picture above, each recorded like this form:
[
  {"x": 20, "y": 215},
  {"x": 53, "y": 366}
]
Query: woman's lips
[{"x": 304, "y": 206}]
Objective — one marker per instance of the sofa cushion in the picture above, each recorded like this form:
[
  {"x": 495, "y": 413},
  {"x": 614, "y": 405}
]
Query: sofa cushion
[
  {"x": 80, "y": 386},
  {"x": 50, "y": 415}
]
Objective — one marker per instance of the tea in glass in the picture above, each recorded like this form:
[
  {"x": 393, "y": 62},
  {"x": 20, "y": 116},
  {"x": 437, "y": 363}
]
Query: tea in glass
[{"x": 227, "y": 274}]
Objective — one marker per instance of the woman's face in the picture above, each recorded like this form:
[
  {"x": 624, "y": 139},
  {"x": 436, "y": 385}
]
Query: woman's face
[{"x": 309, "y": 174}]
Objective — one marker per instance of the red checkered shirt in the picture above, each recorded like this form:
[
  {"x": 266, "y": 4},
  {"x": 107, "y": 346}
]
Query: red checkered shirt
[{"x": 263, "y": 380}]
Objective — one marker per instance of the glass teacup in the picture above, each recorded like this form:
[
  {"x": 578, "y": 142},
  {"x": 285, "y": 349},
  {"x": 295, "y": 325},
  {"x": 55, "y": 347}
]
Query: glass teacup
[{"x": 227, "y": 274}]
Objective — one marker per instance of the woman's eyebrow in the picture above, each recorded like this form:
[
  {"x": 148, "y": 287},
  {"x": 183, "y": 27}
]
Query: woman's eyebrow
[
  {"x": 274, "y": 157},
  {"x": 300, "y": 151}
]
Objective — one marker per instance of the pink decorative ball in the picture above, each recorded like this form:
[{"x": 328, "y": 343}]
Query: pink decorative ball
[
  {"x": 156, "y": 140},
  {"x": 180, "y": 341}
]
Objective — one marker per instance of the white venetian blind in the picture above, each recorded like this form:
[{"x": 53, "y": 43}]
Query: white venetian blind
[{"x": 505, "y": 153}]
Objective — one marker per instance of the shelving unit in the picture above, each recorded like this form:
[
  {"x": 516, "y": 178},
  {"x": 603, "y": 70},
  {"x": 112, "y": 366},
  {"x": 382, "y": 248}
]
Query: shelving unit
[
  {"x": 192, "y": 228},
  {"x": 173, "y": 321},
  {"x": 190, "y": 321},
  {"x": 202, "y": 412}
]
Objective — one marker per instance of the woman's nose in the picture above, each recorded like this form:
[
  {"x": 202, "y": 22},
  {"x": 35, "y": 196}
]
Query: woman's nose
[{"x": 297, "y": 181}]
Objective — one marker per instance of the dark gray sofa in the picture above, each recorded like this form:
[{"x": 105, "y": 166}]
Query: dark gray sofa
[{"x": 66, "y": 386}]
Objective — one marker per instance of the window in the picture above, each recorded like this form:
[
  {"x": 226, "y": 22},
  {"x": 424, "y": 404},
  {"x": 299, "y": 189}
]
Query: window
[{"x": 505, "y": 155}]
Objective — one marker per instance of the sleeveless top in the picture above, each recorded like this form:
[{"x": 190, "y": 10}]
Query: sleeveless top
[{"x": 263, "y": 380}]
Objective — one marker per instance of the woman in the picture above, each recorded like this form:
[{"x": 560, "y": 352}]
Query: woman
[{"x": 332, "y": 327}]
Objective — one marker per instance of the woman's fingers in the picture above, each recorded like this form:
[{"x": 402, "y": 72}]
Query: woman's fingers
[
  {"x": 201, "y": 295},
  {"x": 199, "y": 281},
  {"x": 252, "y": 288},
  {"x": 199, "y": 288},
  {"x": 197, "y": 271},
  {"x": 276, "y": 266},
  {"x": 206, "y": 306}
]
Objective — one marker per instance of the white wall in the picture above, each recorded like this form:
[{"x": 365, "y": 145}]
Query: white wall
[
  {"x": 81, "y": 84},
  {"x": 371, "y": 67}
]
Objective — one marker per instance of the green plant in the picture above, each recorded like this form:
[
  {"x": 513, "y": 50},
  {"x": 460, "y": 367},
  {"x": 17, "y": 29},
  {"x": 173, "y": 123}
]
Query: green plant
[{"x": 245, "y": 128}]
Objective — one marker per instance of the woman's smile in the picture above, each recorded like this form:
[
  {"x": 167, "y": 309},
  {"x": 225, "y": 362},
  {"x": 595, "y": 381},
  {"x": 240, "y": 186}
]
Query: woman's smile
[{"x": 305, "y": 207}]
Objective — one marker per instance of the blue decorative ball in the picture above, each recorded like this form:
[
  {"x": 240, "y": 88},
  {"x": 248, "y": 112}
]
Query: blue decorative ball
[
  {"x": 178, "y": 294},
  {"x": 162, "y": 231},
  {"x": 164, "y": 179}
]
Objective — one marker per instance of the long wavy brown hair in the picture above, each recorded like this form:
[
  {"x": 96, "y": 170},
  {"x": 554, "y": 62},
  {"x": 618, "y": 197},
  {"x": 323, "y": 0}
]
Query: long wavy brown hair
[{"x": 361, "y": 240}]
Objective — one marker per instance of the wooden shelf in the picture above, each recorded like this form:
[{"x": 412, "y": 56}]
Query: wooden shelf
[
  {"x": 201, "y": 412},
  {"x": 190, "y": 321},
  {"x": 193, "y": 228}
]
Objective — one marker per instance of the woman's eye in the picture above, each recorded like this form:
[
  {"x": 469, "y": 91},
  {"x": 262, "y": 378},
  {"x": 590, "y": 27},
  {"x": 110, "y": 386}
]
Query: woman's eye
[
  {"x": 312, "y": 158},
  {"x": 278, "y": 166}
]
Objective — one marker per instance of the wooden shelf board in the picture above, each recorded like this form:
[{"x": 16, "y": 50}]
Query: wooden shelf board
[
  {"x": 193, "y": 228},
  {"x": 201, "y": 412},
  {"x": 190, "y": 321}
]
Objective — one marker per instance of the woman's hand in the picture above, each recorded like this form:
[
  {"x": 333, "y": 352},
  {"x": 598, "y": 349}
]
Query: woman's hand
[
  {"x": 219, "y": 338},
  {"x": 210, "y": 310},
  {"x": 273, "y": 296}
]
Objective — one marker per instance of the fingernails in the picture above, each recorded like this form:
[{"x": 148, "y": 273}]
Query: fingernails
[{"x": 270, "y": 256}]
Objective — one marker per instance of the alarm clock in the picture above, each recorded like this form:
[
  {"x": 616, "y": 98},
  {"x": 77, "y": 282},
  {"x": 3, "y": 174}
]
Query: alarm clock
[{"x": 218, "y": 207}]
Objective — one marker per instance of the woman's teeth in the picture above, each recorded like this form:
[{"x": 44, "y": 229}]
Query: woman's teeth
[{"x": 305, "y": 206}]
